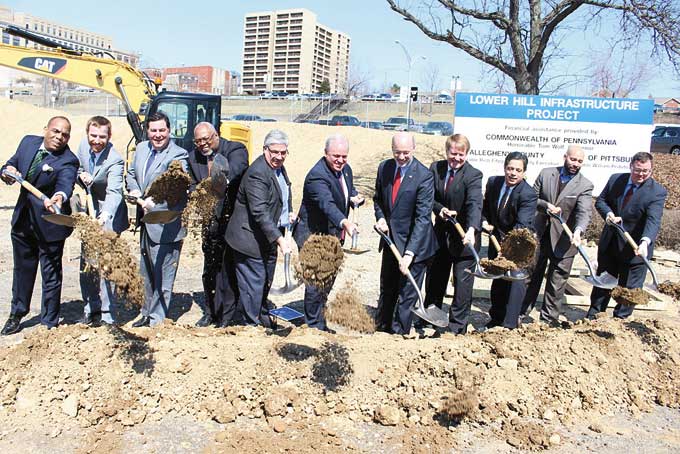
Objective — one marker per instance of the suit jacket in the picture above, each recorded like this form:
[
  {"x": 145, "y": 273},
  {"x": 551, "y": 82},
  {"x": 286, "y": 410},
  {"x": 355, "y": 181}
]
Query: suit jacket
[
  {"x": 641, "y": 216},
  {"x": 61, "y": 178},
  {"x": 409, "y": 219},
  {"x": 323, "y": 202},
  {"x": 159, "y": 233},
  {"x": 237, "y": 157},
  {"x": 575, "y": 199},
  {"x": 107, "y": 184},
  {"x": 464, "y": 196},
  {"x": 518, "y": 212},
  {"x": 252, "y": 229}
]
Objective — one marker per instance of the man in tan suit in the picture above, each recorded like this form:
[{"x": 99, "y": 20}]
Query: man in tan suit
[{"x": 564, "y": 191}]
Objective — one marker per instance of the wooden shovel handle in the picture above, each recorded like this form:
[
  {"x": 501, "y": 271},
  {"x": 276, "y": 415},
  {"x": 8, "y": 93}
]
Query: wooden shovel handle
[
  {"x": 90, "y": 206},
  {"x": 460, "y": 230},
  {"x": 33, "y": 190},
  {"x": 495, "y": 243},
  {"x": 567, "y": 230},
  {"x": 630, "y": 241}
]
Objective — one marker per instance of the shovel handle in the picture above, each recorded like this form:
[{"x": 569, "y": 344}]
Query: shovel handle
[
  {"x": 630, "y": 241},
  {"x": 495, "y": 242},
  {"x": 90, "y": 205},
  {"x": 32, "y": 189}
]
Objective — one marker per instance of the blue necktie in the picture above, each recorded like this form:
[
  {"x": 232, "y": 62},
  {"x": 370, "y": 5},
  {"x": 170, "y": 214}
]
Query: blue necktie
[
  {"x": 149, "y": 162},
  {"x": 93, "y": 161}
]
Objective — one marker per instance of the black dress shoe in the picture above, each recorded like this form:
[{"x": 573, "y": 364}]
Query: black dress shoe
[
  {"x": 13, "y": 325},
  {"x": 93, "y": 320},
  {"x": 204, "y": 321},
  {"x": 143, "y": 321},
  {"x": 329, "y": 330}
]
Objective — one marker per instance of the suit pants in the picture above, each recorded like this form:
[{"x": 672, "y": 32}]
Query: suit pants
[
  {"x": 254, "y": 277},
  {"x": 158, "y": 267},
  {"x": 29, "y": 250},
  {"x": 97, "y": 292},
  {"x": 397, "y": 295},
  {"x": 463, "y": 282},
  {"x": 506, "y": 302},
  {"x": 219, "y": 274},
  {"x": 315, "y": 304},
  {"x": 629, "y": 275},
  {"x": 555, "y": 284}
]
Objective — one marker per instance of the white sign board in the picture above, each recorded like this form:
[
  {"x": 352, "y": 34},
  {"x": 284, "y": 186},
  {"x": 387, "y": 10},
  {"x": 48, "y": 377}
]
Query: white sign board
[{"x": 610, "y": 131}]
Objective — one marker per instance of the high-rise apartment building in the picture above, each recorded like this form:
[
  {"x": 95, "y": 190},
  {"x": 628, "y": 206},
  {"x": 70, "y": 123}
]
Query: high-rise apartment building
[{"x": 288, "y": 50}]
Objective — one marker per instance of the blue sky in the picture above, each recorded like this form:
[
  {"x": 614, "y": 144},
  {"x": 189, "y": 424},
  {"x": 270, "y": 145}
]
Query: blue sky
[{"x": 210, "y": 33}]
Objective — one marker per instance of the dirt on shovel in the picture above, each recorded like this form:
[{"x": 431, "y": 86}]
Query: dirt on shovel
[
  {"x": 671, "y": 289},
  {"x": 171, "y": 186},
  {"x": 320, "y": 260},
  {"x": 519, "y": 246},
  {"x": 630, "y": 296},
  {"x": 347, "y": 310},
  {"x": 499, "y": 265}
]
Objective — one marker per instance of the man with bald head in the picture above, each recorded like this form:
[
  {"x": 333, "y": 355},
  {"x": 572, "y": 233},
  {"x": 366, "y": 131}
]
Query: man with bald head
[
  {"x": 327, "y": 195},
  {"x": 565, "y": 191},
  {"x": 404, "y": 195},
  {"x": 219, "y": 274}
]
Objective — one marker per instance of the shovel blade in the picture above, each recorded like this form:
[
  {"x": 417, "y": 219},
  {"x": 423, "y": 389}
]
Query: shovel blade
[
  {"x": 604, "y": 280},
  {"x": 160, "y": 217},
  {"x": 355, "y": 251},
  {"x": 432, "y": 314},
  {"x": 60, "y": 219},
  {"x": 518, "y": 275}
]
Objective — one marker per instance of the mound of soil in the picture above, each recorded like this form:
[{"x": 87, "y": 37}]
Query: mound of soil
[
  {"x": 671, "y": 289},
  {"x": 519, "y": 246},
  {"x": 348, "y": 311},
  {"x": 200, "y": 209},
  {"x": 630, "y": 296},
  {"x": 496, "y": 266},
  {"x": 320, "y": 260},
  {"x": 171, "y": 186},
  {"x": 460, "y": 404},
  {"x": 111, "y": 255}
]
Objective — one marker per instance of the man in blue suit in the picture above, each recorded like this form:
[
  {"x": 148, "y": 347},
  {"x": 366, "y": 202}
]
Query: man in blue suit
[
  {"x": 101, "y": 172},
  {"x": 404, "y": 194},
  {"x": 160, "y": 244},
  {"x": 327, "y": 195},
  {"x": 635, "y": 201},
  {"x": 48, "y": 164}
]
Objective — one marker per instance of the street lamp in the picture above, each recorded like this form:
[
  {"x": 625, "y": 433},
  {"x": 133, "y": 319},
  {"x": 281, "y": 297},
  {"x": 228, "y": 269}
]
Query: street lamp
[
  {"x": 455, "y": 89},
  {"x": 408, "y": 94}
]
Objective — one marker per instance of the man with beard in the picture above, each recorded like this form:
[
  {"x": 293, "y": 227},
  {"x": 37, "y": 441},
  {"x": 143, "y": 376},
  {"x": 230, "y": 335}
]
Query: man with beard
[
  {"x": 219, "y": 274},
  {"x": 563, "y": 191}
]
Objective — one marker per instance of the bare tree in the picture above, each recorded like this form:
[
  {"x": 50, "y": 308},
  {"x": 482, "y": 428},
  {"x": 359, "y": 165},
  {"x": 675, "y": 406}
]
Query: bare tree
[
  {"x": 358, "y": 80},
  {"x": 431, "y": 77},
  {"x": 616, "y": 76},
  {"x": 519, "y": 38}
]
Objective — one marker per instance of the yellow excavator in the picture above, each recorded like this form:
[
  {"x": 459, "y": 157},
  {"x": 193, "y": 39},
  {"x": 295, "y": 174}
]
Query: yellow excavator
[{"x": 138, "y": 93}]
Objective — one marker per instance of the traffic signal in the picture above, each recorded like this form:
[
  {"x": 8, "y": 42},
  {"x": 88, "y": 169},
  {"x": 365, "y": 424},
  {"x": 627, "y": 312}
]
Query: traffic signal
[{"x": 414, "y": 93}]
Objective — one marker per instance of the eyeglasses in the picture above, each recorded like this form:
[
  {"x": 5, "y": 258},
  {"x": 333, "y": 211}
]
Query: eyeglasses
[
  {"x": 278, "y": 152},
  {"x": 641, "y": 171},
  {"x": 200, "y": 141}
]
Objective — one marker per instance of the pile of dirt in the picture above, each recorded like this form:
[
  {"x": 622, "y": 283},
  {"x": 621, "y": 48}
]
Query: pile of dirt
[
  {"x": 320, "y": 260},
  {"x": 347, "y": 310},
  {"x": 200, "y": 209},
  {"x": 630, "y": 296},
  {"x": 497, "y": 266},
  {"x": 671, "y": 289},
  {"x": 519, "y": 246},
  {"x": 171, "y": 186},
  {"x": 110, "y": 378},
  {"x": 111, "y": 255},
  {"x": 667, "y": 173}
]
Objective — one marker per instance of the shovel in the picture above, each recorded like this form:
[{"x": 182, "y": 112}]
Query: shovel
[
  {"x": 289, "y": 285},
  {"x": 154, "y": 217},
  {"x": 354, "y": 248},
  {"x": 90, "y": 204},
  {"x": 631, "y": 242},
  {"x": 55, "y": 218},
  {"x": 604, "y": 280},
  {"x": 431, "y": 314},
  {"x": 478, "y": 271},
  {"x": 516, "y": 275}
]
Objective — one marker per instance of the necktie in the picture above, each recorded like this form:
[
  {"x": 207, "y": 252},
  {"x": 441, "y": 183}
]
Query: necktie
[
  {"x": 39, "y": 156},
  {"x": 343, "y": 185},
  {"x": 149, "y": 162},
  {"x": 504, "y": 199},
  {"x": 449, "y": 181},
  {"x": 627, "y": 196},
  {"x": 396, "y": 184},
  {"x": 93, "y": 162}
]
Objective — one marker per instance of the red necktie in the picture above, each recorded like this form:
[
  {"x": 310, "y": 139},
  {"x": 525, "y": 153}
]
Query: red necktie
[
  {"x": 626, "y": 198},
  {"x": 396, "y": 184},
  {"x": 449, "y": 180}
]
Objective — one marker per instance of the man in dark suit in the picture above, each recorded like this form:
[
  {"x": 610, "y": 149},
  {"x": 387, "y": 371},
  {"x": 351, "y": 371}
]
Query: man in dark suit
[
  {"x": 327, "y": 195},
  {"x": 101, "y": 171},
  {"x": 160, "y": 244},
  {"x": 509, "y": 203},
  {"x": 263, "y": 210},
  {"x": 565, "y": 191},
  {"x": 635, "y": 201},
  {"x": 457, "y": 192},
  {"x": 48, "y": 164},
  {"x": 219, "y": 274},
  {"x": 404, "y": 193}
]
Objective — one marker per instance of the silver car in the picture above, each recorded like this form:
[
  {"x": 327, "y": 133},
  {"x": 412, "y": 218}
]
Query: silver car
[{"x": 666, "y": 139}]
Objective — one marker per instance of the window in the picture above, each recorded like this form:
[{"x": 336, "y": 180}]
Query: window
[{"x": 178, "y": 114}]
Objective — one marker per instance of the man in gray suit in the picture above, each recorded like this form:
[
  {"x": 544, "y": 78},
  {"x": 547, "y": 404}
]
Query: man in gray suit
[
  {"x": 564, "y": 191},
  {"x": 160, "y": 244},
  {"x": 101, "y": 173}
]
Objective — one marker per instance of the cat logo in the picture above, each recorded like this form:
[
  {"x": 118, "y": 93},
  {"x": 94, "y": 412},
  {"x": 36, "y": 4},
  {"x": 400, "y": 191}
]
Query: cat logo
[{"x": 44, "y": 65}]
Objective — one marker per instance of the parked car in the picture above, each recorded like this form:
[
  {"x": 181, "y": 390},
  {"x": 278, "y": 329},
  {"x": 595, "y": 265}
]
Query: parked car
[
  {"x": 438, "y": 128},
  {"x": 385, "y": 97},
  {"x": 344, "y": 120},
  {"x": 372, "y": 124},
  {"x": 369, "y": 97},
  {"x": 23, "y": 92},
  {"x": 249, "y": 117},
  {"x": 279, "y": 94},
  {"x": 666, "y": 139},
  {"x": 399, "y": 124},
  {"x": 267, "y": 95},
  {"x": 294, "y": 97},
  {"x": 443, "y": 99}
]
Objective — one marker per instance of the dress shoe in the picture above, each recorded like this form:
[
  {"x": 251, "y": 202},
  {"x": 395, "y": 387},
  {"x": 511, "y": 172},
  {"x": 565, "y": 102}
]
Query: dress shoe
[
  {"x": 143, "y": 321},
  {"x": 92, "y": 320},
  {"x": 13, "y": 325},
  {"x": 329, "y": 330},
  {"x": 204, "y": 321}
]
